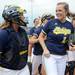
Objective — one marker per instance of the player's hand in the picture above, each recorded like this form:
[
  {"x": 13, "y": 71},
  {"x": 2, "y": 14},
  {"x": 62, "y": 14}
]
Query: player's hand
[
  {"x": 72, "y": 47},
  {"x": 46, "y": 53}
]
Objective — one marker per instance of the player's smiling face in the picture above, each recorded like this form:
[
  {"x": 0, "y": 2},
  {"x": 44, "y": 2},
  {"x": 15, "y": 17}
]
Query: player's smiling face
[{"x": 61, "y": 12}]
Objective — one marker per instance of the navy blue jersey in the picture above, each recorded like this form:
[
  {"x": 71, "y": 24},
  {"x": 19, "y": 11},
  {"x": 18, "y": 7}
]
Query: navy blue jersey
[
  {"x": 57, "y": 36},
  {"x": 13, "y": 48},
  {"x": 3, "y": 39},
  {"x": 37, "y": 47},
  {"x": 31, "y": 31}
]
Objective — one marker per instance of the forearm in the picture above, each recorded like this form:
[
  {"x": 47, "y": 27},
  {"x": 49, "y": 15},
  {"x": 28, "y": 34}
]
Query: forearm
[
  {"x": 33, "y": 40},
  {"x": 30, "y": 50},
  {"x": 42, "y": 42},
  {"x": 72, "y": 48}
]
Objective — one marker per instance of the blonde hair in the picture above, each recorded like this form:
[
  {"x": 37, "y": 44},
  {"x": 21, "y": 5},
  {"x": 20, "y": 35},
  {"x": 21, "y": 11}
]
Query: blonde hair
[{"x": 4, "y": 25}]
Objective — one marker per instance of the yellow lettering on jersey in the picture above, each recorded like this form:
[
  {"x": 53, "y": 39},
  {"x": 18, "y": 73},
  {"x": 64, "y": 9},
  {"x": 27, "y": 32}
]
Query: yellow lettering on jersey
[{"x": 63, "y": 30}]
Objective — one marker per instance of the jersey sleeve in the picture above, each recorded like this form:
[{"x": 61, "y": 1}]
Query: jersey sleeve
[
  {"x": 37, "y": 31},
  {"x": 31, "y": 31},
  {"x": 46, "y": 27}
]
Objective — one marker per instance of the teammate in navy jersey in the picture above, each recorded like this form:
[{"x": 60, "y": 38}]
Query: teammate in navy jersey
[
  {"x": 36, "y": 22},
  {"x": 31, "y": 46},
  {"x": 56, "y": 44},
  {"x": 13, "y": 43},
  {"x": 37, "y": 58}
]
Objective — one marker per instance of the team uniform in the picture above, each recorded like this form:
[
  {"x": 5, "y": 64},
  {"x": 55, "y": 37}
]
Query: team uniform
[
  {"x": 37, "y": 52},
  {"x": 13, "y": 52},
  {"x": 71, "y": 56},
  {"x": 31, "y": 31},
  {"x": 56, "y": 42}
]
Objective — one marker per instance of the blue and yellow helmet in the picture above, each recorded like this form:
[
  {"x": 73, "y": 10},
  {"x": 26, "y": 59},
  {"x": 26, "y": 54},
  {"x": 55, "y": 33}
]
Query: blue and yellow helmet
[{"x": 11, "y": 13}]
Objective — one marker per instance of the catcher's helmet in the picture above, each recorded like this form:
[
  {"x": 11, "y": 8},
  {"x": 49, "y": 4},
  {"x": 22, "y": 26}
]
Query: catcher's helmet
[{"x": 11, "y": 13}]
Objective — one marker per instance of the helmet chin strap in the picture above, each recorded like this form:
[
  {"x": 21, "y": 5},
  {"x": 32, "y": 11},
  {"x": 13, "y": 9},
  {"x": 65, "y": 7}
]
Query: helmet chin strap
[{"x": 20, "y": 22}]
